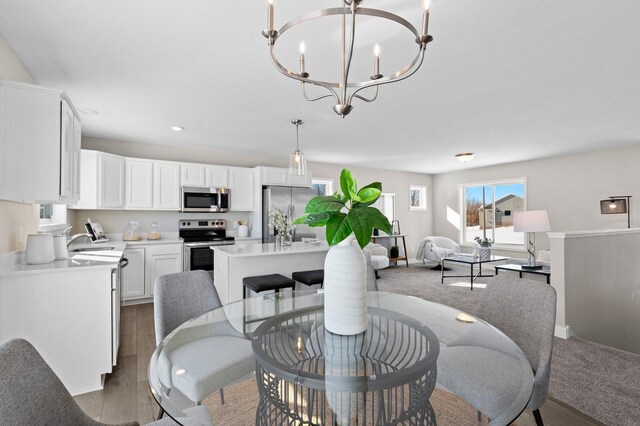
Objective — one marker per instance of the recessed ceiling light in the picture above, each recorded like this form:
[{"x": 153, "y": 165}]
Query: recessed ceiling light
[
  {"x": 465, "y": 157},
  {"x": 89, "y": 111},
  {"x": 177, "y": 128}
]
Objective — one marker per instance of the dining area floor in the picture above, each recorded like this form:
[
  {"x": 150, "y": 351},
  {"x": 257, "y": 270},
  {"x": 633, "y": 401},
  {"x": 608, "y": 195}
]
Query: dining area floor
[{"x": 126, "y": 395}]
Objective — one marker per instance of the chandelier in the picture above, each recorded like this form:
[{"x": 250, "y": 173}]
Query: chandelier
[{"x": 344, "y": 91}]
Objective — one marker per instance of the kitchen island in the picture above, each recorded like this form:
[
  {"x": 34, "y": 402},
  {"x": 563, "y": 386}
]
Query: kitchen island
[{"x": 235, "y": 262}]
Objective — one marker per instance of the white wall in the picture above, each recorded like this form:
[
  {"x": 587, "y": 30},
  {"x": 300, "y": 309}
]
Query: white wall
[
  {"x": 416, "y": 224},
  {"x": 13, "y": 216},
  {"x": 568, "y": 187}
]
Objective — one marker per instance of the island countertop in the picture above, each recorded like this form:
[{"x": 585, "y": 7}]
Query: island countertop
[{"x": 269, "y": 249}]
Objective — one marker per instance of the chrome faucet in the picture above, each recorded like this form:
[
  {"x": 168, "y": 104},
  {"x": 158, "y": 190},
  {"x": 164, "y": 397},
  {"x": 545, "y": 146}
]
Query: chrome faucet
[{"x": 74, "y": 237}]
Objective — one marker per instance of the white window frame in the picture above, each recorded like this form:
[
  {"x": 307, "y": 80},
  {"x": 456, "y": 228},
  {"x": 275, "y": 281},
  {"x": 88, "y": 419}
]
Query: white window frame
[
  {"x": 423, "y": 198},
  {"x": 58, "y": 219},
  {"x": 463, "y": 213},
  {"x": 324, "y": 181},
  {"x": 381, "y": 200}
]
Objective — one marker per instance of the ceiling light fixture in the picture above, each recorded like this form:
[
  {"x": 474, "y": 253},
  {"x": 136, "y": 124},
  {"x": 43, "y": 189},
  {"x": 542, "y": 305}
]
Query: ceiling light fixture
[
  {"x": 465, "y": 157},
  {"x": 344, "y": 91},
  {"x": 297, "y": 162},
  {"x": 177, "y": 128}
]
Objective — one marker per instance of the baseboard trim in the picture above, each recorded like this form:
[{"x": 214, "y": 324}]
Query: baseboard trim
[
  {"x": 563, "y": 332},
  {"x": 137, "y": 301}
]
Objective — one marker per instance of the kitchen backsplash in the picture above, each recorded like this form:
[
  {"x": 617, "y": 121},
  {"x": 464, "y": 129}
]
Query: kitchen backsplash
[{"x": 114, "y": 221}]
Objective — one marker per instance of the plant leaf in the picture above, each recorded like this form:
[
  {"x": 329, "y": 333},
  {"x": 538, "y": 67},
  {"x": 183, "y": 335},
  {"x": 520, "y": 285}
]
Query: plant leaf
[
  {"x": 337, "y": 228},
  {"x": 361, "y": 225},
  {"x": 369, "y": 195},
  {"x": 378, "y": 220},
  {"x": 375, "y": 186},
  {"x": 348, "y": 184},
  {"x": 323, "y": 204},
  {"x": 318, "y": 219},
  {"x": 300, "y": 220}
]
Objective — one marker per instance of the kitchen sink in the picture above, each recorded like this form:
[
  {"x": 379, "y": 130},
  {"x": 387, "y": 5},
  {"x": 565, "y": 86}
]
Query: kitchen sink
[{"x": 83, "y": 249}]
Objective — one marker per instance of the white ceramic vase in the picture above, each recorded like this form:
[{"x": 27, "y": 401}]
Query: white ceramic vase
[{"x": 345, "y": 289}]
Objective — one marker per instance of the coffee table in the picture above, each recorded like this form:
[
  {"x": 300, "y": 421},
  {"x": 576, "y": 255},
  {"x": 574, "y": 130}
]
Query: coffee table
[
  {"x": 545, "y": 270},
  {"x": 471, "y": 261}
]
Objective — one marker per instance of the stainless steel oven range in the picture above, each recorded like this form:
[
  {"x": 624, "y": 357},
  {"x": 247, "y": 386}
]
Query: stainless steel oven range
[{"x": 199, "y": 235}]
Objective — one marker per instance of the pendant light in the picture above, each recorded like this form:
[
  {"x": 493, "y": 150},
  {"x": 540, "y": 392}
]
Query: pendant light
[{"x": 297, "y": 162}]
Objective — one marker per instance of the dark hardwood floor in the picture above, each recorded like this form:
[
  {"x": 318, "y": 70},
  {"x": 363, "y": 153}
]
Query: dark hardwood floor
[{"x": 126, "y": 394}]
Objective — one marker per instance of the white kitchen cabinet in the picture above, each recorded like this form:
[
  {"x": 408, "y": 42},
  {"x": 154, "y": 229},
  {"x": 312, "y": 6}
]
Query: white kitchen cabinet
[
  {"x": 138, "y": 184},
  {"x": 102, "y": 178},
  {"x": 39, "y": 145},
  {"x": 193, "y": 175},
  {"x": 161, "y": 259},
  {"x": 166, "y": 185},
  {"x": 241, "y": 185},
  {"x": 133, "y": 282},
  {"x": 218, "y": 177},
  {"x": 148, "y": 261},
  {"x": 281, "y": 176}
]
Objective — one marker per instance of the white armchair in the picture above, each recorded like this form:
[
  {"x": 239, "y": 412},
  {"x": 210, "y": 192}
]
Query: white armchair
[
  {"x": 378, "y": 256},
  {"x": 437, "y": 248}
]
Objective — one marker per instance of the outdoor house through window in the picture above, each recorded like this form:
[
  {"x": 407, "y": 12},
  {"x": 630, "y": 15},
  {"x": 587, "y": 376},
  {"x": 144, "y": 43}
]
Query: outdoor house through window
[{"x": 487, "y": 212}]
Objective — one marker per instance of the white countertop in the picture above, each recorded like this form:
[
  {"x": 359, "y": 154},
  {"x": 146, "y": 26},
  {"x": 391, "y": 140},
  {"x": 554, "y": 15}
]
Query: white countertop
[{"x": 248, "y": 250}]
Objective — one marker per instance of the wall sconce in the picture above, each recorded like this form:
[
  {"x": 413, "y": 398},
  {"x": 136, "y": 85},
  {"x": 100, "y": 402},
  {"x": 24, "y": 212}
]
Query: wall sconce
[{"x": 617, "y": 204}]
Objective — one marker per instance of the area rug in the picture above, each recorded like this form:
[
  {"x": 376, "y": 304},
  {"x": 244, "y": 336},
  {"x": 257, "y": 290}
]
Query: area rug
[{"x": 241, "y": 402}]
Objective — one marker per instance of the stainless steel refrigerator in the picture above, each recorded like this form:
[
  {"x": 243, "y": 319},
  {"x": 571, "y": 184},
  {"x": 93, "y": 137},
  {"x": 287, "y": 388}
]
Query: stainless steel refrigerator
[{"x": 292, "y": 201}]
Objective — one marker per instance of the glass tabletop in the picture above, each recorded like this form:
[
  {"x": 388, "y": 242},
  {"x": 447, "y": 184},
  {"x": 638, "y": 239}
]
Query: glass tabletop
[
  {"x": 470, "y": 259},
  {"x": 280, "y": 339}
]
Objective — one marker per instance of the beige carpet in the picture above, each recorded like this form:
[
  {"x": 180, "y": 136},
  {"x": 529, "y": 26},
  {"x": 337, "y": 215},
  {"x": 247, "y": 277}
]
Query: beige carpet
[{"x": 241, "y": 402}]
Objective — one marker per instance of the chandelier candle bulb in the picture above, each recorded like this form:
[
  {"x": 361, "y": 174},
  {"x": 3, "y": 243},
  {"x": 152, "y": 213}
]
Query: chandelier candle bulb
[
  {"x": 270, "y": 15},
  {"x": 425, "y": 17},
  {"x": 303, "y": 48},
  {"x": 376, "y": 66}
]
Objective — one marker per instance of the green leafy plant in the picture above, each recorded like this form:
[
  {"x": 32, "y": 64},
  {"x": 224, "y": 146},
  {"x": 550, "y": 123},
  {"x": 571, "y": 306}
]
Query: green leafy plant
[
  {"x": 347, "y": 212},
  {"x": 483, "y": 242}
]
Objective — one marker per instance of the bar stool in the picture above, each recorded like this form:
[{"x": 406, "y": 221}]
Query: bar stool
[
  {"x": 309, "y": 277},
  {"x": 261, "y": 283}
]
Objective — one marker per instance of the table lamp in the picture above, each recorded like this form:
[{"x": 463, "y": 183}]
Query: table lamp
[{"x": 531, "y": 222}]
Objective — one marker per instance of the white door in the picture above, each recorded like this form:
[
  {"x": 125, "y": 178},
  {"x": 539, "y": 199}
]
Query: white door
[
  {"x": 241, "y": 185},
  {"x": 67, "y": 152},
  {"x": 217, "y": 177},
  {"x": 133, "y": 274},
  {"x": 166, "y": 186},
  {"x": 193, "y": 175},
  {"x": 77, "y": 131},
  {"x": 110, "y": 181},
  {"x": 138, "y": 184},
  {"x": 162, "y": 264}
]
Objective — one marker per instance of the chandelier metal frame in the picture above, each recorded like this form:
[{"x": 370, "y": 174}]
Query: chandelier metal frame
[{"x": 345, "y": 91}]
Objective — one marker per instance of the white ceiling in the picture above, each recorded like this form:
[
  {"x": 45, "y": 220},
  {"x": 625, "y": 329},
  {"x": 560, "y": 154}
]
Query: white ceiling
[{"x": 508, "y": 79}]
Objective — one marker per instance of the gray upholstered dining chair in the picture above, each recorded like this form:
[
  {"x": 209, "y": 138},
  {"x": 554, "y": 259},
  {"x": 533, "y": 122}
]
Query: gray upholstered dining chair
[
  {"x": 181, "y": 297},
  {"x": 32, "y": 394},
  {"x": 525, "y": 311}
]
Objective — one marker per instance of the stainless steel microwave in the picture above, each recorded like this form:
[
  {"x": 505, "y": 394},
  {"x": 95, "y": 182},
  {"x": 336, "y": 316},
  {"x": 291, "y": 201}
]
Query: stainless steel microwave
[{"x": 204, "y": 200}]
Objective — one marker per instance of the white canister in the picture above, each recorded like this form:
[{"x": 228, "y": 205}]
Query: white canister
[
  {"x": 60, "y": 247},
  {"x": 243, "y": 231},
  {"x": 40, "y": 249}
]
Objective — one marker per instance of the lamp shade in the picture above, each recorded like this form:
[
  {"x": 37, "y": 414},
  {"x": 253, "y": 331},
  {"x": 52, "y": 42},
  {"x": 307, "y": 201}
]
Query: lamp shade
[{"x": 531, "y": 221}]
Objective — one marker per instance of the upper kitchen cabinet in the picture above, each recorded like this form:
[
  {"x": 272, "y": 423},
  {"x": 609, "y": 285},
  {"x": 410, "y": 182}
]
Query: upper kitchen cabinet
[
  {"x": 241, "y": 185},
  {"x": 166, "y": 185},
  {"x": 138, "y": 184},
  {"x": 218, "y": 177},
  {"x": 281, "y": 176},
  {"x": 39, "y": 145},
  {"x": 103, "y": 181},
  {"x": 193, "y": 175}
]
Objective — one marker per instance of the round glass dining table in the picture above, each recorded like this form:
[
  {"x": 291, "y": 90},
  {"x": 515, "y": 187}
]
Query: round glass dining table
[{"x": 306, "y": 375}]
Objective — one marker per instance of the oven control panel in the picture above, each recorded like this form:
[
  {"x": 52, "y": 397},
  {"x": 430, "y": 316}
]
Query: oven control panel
[{"x": 202, "y": 224}]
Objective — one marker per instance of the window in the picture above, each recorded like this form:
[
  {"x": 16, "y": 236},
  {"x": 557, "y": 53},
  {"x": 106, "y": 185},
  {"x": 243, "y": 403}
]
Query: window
[
  {"x": 387, "y": 205},
  {"x": 417, "y": 197},
  {"x": 53, "y": 217},
  {"x": 322, "y": 186},
  {"x": 488, "y": 211}
]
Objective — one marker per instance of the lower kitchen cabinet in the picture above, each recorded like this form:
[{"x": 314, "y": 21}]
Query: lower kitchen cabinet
[{"x": 146, "y": 264}]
